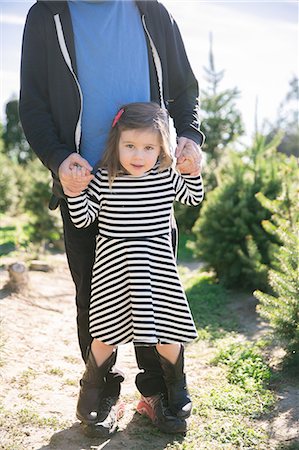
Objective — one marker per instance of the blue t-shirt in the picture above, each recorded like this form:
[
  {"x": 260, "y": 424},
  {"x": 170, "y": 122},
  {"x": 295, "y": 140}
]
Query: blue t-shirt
[{"x": 112, "y": 64}]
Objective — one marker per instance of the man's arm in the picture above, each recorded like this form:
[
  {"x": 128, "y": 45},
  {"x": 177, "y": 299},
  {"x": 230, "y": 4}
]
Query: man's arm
[
  {"x": 183, "y": 99},
  {"x": 182, "y": 85},
  {"x": 35, "y": 109}
]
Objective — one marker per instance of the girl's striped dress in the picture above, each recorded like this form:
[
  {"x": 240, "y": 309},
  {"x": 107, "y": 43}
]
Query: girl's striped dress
[{"x": 136, "y": 293}]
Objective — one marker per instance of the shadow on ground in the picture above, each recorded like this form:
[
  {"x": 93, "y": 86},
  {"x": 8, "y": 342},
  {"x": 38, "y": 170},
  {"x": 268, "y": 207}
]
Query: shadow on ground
[{"x": 138, "y": 434}]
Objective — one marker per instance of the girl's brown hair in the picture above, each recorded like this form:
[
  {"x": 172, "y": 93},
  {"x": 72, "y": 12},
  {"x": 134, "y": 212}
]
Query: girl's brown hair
[{"x": 137, "y": 116}]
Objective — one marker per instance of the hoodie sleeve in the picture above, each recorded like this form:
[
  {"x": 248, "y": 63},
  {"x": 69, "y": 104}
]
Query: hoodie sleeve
[
  {"x": 183, "y": 98},
  {"x": 35, "y": 108}
]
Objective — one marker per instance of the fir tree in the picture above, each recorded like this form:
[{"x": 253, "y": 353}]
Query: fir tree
[
  {"x": 229, "y": 236},
  {"x": 221, "y": 120},
  {"x": 15, "y": 145},
  {"x": 288, "y": 120},
  {"x": 221, "y": 124},
  {"x": 281, "y": 307}
]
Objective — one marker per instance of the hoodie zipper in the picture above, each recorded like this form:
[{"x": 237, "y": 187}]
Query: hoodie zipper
[{"x": 67, "y": 59}]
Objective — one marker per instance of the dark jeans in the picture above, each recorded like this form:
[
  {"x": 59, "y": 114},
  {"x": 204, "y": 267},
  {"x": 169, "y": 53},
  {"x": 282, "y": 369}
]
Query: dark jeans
[{"x": 80, "y": 250}]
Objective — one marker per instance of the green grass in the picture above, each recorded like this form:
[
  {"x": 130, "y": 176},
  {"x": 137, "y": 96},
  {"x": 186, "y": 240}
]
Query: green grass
[
  {"x": 13, "y": 234},
  {"x": 30, "y": 417},
  {"x": 26, "y": 376},
  {"x": 291, "y": 446},
  {"x": 7, "y": 239},
  {"x": 54, "y": 371},
  {"x": 229, "y": 400},
  {"x": 208, "y": 303},
  {"x": 246, "y": 365},
  {"x": 72, "y": 359},
  {"x": 247, "y": 376},
  {"x": 17, "y": 426},
  {"x": 185, "y": 253},
  {"x": 70, "y": 382}
]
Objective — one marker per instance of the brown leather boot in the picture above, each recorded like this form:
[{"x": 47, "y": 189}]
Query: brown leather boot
[{"x": 179, "y": 400}]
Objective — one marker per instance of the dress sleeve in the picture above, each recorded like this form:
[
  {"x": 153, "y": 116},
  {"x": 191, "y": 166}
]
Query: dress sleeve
[
  {"x": 85, "y": 208},
  {"x": 188, "y": 189}
]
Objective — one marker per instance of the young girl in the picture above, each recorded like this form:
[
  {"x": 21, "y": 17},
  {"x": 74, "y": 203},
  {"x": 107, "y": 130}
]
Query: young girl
[{"x": 136, "y": 293}]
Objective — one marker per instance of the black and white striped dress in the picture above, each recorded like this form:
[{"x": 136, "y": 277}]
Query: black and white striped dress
[{"x": 136, "y": 293}]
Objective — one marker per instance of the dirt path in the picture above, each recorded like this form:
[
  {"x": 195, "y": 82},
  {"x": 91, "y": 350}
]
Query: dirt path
[
  {"x": 42, "y": 367},
  {"x": 41, "y": 355}
]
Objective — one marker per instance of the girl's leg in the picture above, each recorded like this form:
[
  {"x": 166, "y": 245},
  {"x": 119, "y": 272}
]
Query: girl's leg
[
  {"x": 101, "y": 351},
  {"x": 97, "y": 383},
  {"x": 169, "y": 351},
  {"x": 172, "y": 362}
]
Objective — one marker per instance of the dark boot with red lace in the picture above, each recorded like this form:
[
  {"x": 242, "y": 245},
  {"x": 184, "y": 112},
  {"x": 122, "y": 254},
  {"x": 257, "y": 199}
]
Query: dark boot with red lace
[
  {"x": 155, "y": 407},
  {"x": 154, "y": 402}
]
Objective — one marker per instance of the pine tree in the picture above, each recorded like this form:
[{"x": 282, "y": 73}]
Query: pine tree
[
  {"x": 221, "y": 124},
  {"x": 281, "y": 307},
  {"x": 221, "y": 120},
  {"x": 229, "y": 236},
  {"x": 15, "y": 145},
  {"x": 287, "y": 120}
]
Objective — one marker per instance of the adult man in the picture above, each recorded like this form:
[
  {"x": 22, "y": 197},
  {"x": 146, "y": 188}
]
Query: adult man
[{"x": 81, "y": 60}]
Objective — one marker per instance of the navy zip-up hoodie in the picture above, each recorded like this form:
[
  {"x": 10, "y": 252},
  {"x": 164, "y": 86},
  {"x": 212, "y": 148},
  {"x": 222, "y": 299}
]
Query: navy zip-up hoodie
[{"x": 50, "y": 102}]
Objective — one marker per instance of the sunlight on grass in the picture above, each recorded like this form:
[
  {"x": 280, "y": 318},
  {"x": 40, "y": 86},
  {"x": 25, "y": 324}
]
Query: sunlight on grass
[
  {"x": 229, "y": 398},
  {"x": 54, "y": 371},
  {"x": 15, "y": 424},
  {"x": 27, "y": 376},
  {"x": 208, "y": 303},
  {"x": 185, "y": 253},
  {"x": 70, "y": 382},
  {"x": 13, "y": 234}
]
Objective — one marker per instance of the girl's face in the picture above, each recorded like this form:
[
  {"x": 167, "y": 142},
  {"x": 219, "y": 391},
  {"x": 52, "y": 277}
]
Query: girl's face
[{"x": 139, "y": 150}]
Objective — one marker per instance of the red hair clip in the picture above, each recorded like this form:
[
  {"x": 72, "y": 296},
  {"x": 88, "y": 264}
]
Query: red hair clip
[{"x": 117, "y": 117}]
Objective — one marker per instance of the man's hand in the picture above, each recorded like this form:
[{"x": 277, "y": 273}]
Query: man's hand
[
  {"x": 189, "y": 157},
  {"x": 74, "y": 174}
]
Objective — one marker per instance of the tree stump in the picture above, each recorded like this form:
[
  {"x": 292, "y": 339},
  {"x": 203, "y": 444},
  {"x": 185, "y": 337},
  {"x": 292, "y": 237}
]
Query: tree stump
[{"x": 18, "y": 277}]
